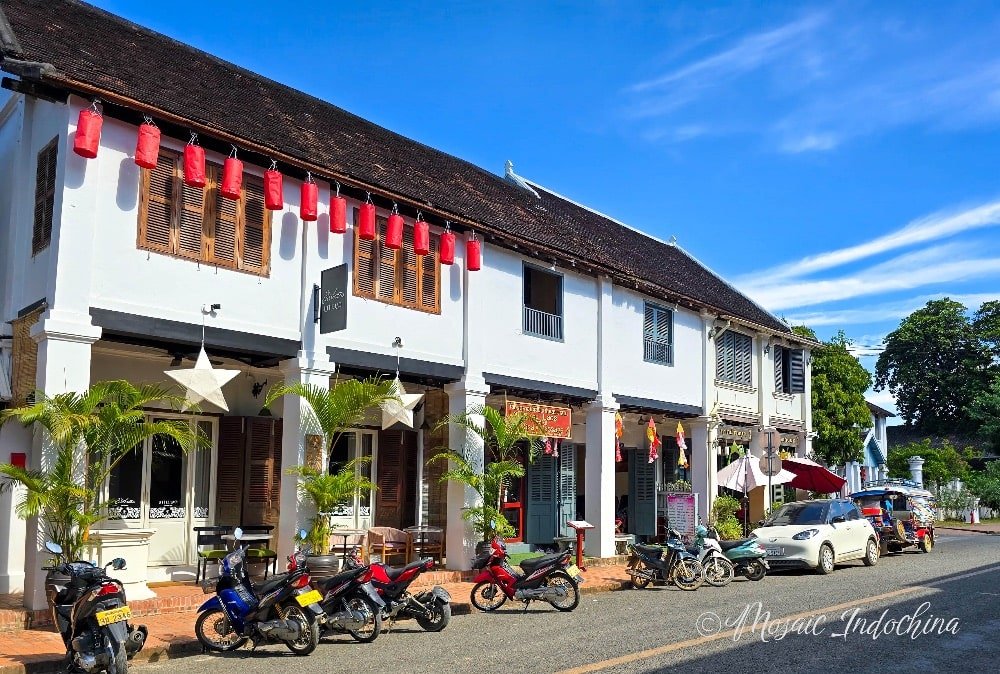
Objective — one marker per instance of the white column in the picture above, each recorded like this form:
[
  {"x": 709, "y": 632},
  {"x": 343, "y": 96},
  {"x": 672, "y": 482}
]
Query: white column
[
  {"x": 917, "y": 469},
  {"x": 305, "y": 368},
  {"x": 13, "y": 438},
  {"x": 600, "y": 477},
  {"x": 460, "y": 538},
  {"x": 702, "y": 460}
]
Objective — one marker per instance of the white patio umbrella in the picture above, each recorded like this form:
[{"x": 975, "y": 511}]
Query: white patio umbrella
[{"x": 745, "y": 474}]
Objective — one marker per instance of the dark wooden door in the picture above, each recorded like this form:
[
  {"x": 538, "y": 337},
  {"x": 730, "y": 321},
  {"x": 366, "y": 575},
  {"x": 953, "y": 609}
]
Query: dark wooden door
[
  {"x": 390, "y": 478},
  {"x": 262, "y": 490},
  {"x": 229, "y": 472}
]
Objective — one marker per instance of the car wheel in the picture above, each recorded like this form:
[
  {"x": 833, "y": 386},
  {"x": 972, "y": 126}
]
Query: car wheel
[
  {"x": 825, "y": 565},
  {"x": 871, "y": 553}
]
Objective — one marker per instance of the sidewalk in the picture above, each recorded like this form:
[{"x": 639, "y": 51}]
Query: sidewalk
[
  {"x": 973, "y": 528},
  {"x": 171, "y": 635}
]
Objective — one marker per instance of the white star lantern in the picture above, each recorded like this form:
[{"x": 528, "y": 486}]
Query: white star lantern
[
  {"x": 400, "y": 411},
  {"x": 202, "y": 382}
]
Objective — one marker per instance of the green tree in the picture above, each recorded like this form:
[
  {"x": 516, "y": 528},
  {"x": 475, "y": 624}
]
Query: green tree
[
  {"x": 986, "y": 485},
  {"x": 936, "y": 363},
  {"x": 985, "y": 411},
  {"x": 326, "y": 491},
  {"x": 839, "y": 382},
  {"x": 941, "y": 464}
]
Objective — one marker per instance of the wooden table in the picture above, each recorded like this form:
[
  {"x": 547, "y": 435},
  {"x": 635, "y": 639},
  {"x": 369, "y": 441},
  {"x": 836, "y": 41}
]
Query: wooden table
[
  {"x": 422, "y": 534},
  {"x": 345, "y": 534}
]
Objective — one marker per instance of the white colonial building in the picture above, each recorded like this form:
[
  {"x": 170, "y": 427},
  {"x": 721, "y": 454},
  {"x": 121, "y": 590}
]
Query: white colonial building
[{"x": 105, "y": 269}]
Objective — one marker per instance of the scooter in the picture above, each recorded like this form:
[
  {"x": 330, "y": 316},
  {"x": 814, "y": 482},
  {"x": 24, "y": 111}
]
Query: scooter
[
  {"x": 719, "y": 571},
  {"x": 90, "y": 611},
  {"x": 350, "y": 602},
  {"x": 661, "y": 564},
  {"x": 430, "y": 608},
  {"x": 746, "y": 554},
  {"x": 550, "y": 578}
]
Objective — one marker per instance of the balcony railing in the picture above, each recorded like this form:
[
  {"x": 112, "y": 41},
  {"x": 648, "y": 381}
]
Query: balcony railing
[
  {"x": 656, "y": 350},
  {"x": 542, "y": 324}
]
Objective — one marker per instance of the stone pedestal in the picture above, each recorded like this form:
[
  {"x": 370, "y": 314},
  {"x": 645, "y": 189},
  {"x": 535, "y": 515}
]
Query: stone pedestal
[{"x": 133, "y": 546}]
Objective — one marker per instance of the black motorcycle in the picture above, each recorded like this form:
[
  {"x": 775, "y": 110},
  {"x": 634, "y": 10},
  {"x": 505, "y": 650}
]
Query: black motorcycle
[
  {"x": 90, "y": 611},
  {"x": 351, "y": 604},
  {"x": 661, "y": 564}
]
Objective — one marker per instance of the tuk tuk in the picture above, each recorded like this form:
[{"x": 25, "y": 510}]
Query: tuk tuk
[{"x": 901, "y": 511}]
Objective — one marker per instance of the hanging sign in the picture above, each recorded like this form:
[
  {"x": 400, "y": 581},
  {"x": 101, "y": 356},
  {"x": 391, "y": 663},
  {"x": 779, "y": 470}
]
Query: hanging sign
[
  {"x": 333, "y": 299},
  {"x": 737, "y": 433},
  {"x": 789, "y": 440},
  {"x": 553, "y": 422},
  {"x": 682, "y": 512}
]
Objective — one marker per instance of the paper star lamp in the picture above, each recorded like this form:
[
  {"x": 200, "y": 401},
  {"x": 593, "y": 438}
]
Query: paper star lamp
[
  {"x": 400, "y": 411},
  {"x": 203, "y": 382}
]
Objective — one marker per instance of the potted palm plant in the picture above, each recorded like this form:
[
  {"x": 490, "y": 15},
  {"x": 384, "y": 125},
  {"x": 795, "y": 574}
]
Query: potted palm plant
[
  {"x": 502, "y": 438},
  {"x": 327, "y": 492}
]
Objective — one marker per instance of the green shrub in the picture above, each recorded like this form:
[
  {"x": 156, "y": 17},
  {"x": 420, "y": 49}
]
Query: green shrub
[
  {"x": 729, "y": 529},
  {"x": 723, "y": 508}
]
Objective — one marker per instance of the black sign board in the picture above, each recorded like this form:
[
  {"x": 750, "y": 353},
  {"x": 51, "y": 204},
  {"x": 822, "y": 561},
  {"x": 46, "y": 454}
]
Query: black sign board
[{"x": 333, "y": 299}]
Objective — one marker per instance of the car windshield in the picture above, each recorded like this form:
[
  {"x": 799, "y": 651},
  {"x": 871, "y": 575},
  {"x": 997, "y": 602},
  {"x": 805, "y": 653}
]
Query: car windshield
[{"x": 798, "y": 513}]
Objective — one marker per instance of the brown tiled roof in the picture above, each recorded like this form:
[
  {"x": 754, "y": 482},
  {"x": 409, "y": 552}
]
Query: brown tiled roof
[{"x": 91, "y": 49}]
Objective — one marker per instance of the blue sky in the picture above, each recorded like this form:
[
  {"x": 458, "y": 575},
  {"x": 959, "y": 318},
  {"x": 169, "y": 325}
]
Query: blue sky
[{"x": 837, "y": 161}]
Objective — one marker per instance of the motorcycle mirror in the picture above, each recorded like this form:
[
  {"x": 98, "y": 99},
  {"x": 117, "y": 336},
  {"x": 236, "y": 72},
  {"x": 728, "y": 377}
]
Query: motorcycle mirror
[
  {"x": 302, "y": 534},
  {"x": 54, "y": 548},
  {"x": 118, "y": 563},
  {"x": 238, "y": 534}
]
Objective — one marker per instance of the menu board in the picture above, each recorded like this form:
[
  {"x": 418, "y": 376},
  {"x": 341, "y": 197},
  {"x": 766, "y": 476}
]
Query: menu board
[{"x": 682, "y": 512}]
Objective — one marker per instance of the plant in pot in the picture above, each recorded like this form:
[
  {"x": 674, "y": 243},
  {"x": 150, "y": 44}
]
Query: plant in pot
[
  {"x": 505, "y": 440},
  {"x": 86, "y": 435}
]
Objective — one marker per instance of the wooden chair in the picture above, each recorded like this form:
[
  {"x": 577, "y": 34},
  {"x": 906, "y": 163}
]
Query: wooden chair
[
  {"x": 209, "y": 536},
  {"x": 429, "y": 544},
  {"x": 388, "y": 543},
  {"x": 258, "y": 551}
]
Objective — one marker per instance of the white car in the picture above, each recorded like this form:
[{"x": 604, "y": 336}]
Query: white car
[{"x": 817, "y": 534}]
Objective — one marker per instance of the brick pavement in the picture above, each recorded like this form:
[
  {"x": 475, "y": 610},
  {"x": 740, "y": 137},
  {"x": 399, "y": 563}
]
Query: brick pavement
[{"x": 171, "y": 631}]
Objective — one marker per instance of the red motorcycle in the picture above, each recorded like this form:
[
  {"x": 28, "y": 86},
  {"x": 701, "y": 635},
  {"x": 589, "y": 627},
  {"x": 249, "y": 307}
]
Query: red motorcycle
[
  {"x": 550, "y": 578},
  {"x": 430, "y": 608}
]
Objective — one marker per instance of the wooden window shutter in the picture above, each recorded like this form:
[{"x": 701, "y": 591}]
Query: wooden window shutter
[
  {"x": 744, "y": 359},
  {"x": 156, "y": 201},
  {"x": 409, "y": 280},
  {"x": 190, "y": 216},
  {"x": 797, "y": 371},
  {"x": 222, "y": 224},
  {"x": 263, "y": 476},
  {"x": 365, "y": 264},
  {"x": 256, "y": 239},
  {"x": 725, "y": 357},
  {"x": 385, "y": 287},
  {"x": 779, "y": 368},
  {"x": 229, "y": 472},
  {"x": 24, "y": 358},
  {"x": 45, "y": 195},
  {"x": 430, "y": 287}
]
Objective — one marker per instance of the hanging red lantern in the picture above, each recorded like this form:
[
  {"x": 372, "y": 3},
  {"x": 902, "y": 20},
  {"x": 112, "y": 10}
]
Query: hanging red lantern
[
  {"x": 421, "y": 237},
  {"x": 473, "y": 254},
  {"x": 308, "y": 207},
  {"x": 394, "y": 230},
  {"x": 147, "y": 145},
  {"x": 338, "y": 213},
  {"x": 194, "y": 163},
  {"x": 366, "y": 224},
  {"x": 447, "y": 255},
  {"x": 88, "y": 132},
  {"x": 274, "y": 189},
  {"x": 232, "y": 177}
]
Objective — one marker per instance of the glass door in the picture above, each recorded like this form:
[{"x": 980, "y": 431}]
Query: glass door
[{"x": 357, "y": 514}]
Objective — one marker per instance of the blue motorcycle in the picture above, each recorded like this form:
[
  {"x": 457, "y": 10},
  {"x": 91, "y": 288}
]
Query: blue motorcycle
[
  {"x": 746, "y": 554},
  {"x": 283, "y": 608}
]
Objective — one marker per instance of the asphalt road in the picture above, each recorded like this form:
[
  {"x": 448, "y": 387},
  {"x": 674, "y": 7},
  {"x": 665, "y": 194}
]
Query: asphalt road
[{"x": 938, "y": 613}]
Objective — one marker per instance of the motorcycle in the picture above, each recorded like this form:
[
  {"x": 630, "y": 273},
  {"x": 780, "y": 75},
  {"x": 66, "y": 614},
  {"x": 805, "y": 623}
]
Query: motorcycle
[
  {"x": 719, "y": 571},
  {"x": 746, "y": 554},
  {"x": 282, "y": 608},
  {"x": 431, "y": 608},
  {"x": 549, "y": 578},
  {"x": 351, "y": 603},
  {"x": 661, "y": 564},
  {"x": 90, "y": 611}
]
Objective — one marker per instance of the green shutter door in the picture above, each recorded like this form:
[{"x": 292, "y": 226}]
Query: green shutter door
[
  {"x": 642, "y": 494},
  {"x": 541, "y": 516},
  {"x": 567, "y": 489}
]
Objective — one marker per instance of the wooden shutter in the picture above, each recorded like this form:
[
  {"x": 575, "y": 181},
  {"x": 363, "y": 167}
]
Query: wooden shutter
[
  {"x": 256, "y": 240},
  {"x": 223, "y": 224},
  {"x": 409, "y": 281},
  {"x": 797, "y": 371},
  {"x": 389, "y": 496},
  {"x": 541, "y": 516},
  {"x": 263, "y": 472},
  {"x": 779, "y": 368},
  {"x": 430, "y": 288},
  {"x": 567, "y": 488},
  {"x": 156, "y": 202},
  {"x": 642, "y": 495},
  {"x": 24, "y": 359},
  {"x": 365, "y": 264},
  {"x": 190, "y": 217},
  {"x": 385, "y": 285},
  {"x": 744, "y": 359},
  {"x": 45, "y": 195},
  {"x": 725, "y": 357},
  {"x": 229, "y": 472}
]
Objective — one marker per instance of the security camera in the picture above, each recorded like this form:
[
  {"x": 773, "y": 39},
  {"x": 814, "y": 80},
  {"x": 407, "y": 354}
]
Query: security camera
[
  {"x": 397, "y": 343},
  {"x": 210, "y": 308}
]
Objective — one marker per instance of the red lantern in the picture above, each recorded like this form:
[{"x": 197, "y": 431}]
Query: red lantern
[
  {"x": 421, "y": 237},
  {"x": 194, "y": 164},
  {"x": 473, "y": 254},
  {"x": 366, "y": 226},
  {"x": 147, "y": 145},
  {"x": 394, "y": 232},
  {"x": 448, "y": 247},
  {"x": 308, "y": 210},
  {"x": 274, "y": 193},
  {"x": 232, "y": 178},
  {"x": 338, "y": 215},
  {"x": 88, "y": 132}
]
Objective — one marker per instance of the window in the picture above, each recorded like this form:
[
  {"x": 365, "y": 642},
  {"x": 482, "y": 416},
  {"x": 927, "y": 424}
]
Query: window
[
  {"x": 542, "y": 315},
  {"x": 200, "y": 224},
  {"x": 45, "y": 196},
  {"x": 789, "y": 370},
  {"x": 658, "y": 335},
  {"x": 399, "y": 277},
  {"x": 733, "y": 360}
]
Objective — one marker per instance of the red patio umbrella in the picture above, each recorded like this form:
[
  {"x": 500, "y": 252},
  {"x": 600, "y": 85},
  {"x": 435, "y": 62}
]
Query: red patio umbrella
[{"x": 811, "y": 476}]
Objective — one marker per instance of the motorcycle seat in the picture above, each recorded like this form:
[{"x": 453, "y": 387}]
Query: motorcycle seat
[
  {"x": 341, "y": 577},
  {"x": 271, "y": 583},
  {"x": 534, "y": 562},
  {"x": 395, "y": 572},
  {"x": 729, "y": 545},
  {"x": 694, "y": 550},
  {"x": 650, "y": 550}
]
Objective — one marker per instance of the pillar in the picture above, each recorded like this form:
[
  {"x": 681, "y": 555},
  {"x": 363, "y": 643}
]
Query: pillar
[
  {"x": 917, "y": 469},
  {"x": 297, "y": 422},
  {"x": 600, "y": 477},
  {"x": 460, "y": 538},
  {"x": 702, "y": 461}
]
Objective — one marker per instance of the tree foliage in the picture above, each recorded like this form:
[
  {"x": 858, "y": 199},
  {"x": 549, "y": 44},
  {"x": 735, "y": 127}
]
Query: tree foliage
[
  {"x": 938, "y": 361},
  {"x": 941, "y": 464},
  {"x": 985, "y": 411},
  {"x": 839, "y": 382},
  {"x": 986, "y": 485}
]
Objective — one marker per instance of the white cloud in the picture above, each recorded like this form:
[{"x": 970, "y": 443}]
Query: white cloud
[
  {"x": 811, "y": 142},
  {"x": 885, "y": 311}
]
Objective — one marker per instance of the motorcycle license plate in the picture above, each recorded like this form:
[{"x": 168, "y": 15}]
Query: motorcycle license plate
[
  {"x": 113, "y": 615},
  {"x": 775, "y": 552},
  {"x": 311, "y": 597},
  {"x": 573, "y": 570}
]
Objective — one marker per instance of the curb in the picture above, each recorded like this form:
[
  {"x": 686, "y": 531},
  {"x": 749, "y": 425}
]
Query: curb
[
  {"x": 973, "y": 531},
  {"x": 187, "y": 647}
]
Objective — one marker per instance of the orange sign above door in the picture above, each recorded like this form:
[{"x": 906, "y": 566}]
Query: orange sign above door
[{"x": 553, "y": 422}]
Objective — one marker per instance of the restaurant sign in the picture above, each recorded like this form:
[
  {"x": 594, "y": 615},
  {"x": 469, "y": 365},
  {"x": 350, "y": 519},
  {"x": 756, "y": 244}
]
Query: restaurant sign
[
  {"x": 737, "y": 433},
  {"x": 553, "y": 421}
]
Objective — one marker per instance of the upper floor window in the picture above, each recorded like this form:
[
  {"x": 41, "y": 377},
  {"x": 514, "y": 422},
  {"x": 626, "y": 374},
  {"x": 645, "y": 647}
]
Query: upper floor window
[
  {"x": 658, "y": 335},
  {"x": 399, "y": 277},
  {"x": 789, "y": 370},
  {"x": 45, "y": 196},
  {"x": 733, "y": 358},
  {"x": 199, "y": 223},
  {"x": 542, "y": 312}
]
